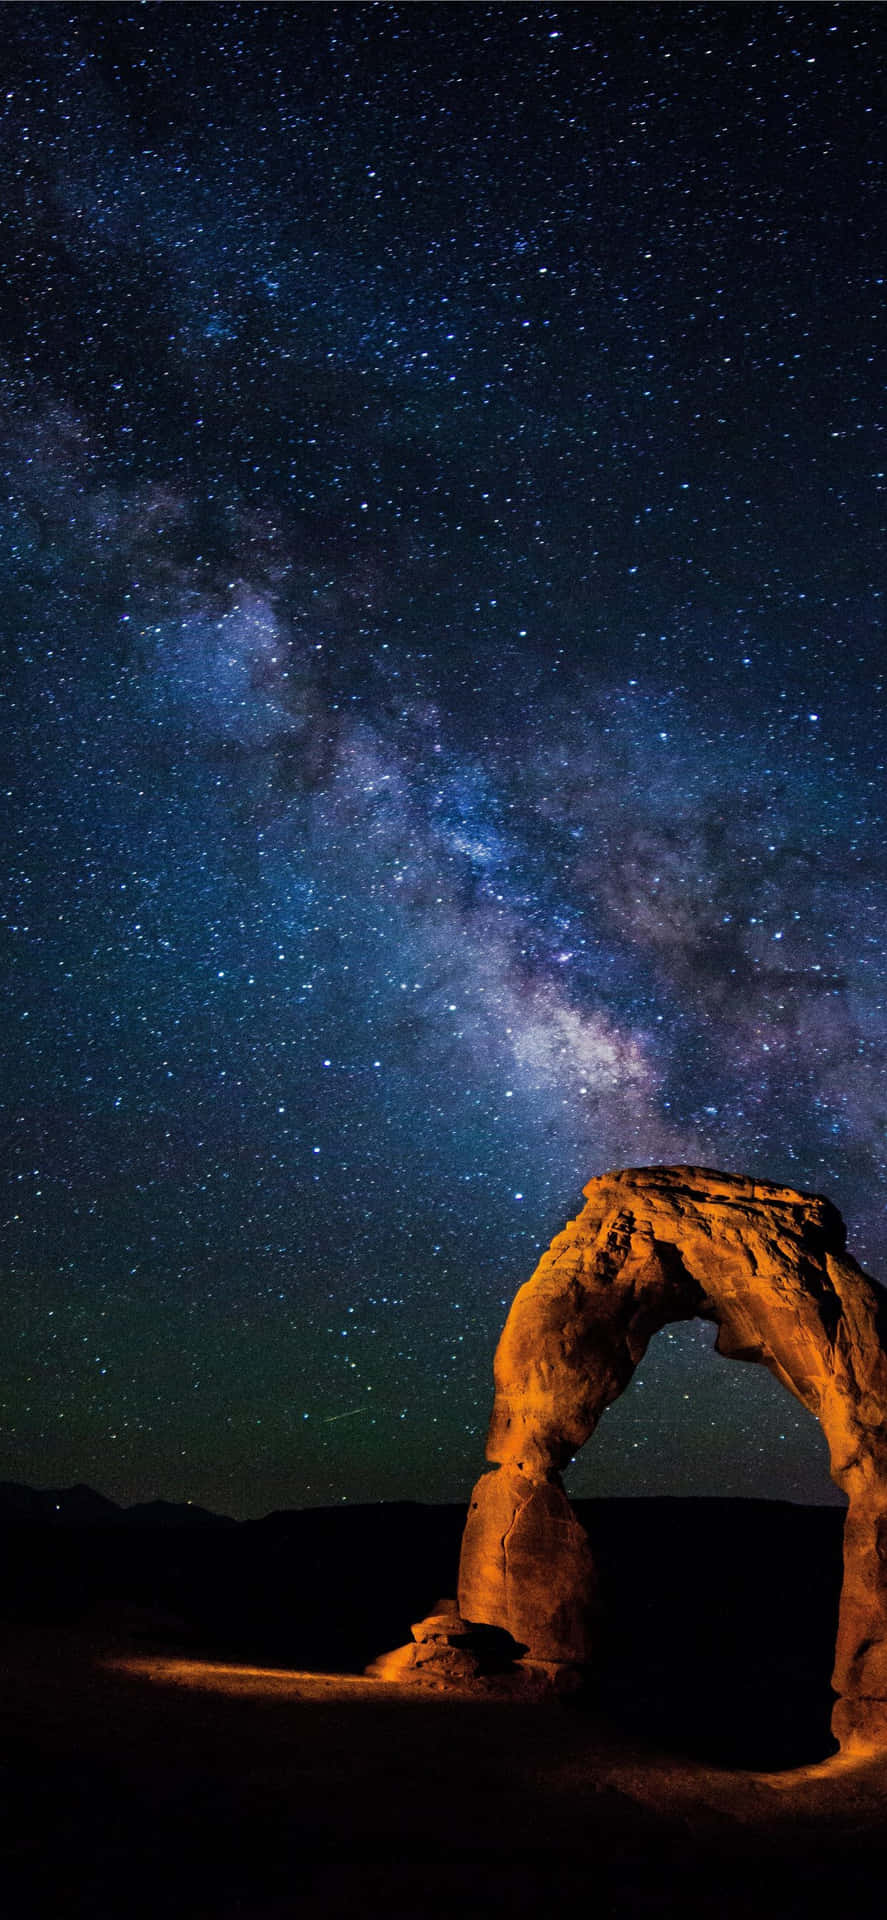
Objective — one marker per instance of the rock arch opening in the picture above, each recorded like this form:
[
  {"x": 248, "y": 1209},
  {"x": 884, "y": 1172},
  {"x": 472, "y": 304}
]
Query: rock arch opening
[
  {"x": 653, "y": 1246},
  {"x": 716, "y": 1534},
  {"x": 693, "y": 1424}
]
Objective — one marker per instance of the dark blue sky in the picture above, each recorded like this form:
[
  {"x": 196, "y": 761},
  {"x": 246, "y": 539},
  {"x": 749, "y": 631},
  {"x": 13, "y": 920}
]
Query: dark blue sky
[{"x": 442, "y": 600}]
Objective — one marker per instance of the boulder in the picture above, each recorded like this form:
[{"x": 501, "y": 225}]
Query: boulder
[
  {"x": 447, "y": 1649},
  {"x": 443, "y": 1626},
  {"x": 446, "y": 1663}
]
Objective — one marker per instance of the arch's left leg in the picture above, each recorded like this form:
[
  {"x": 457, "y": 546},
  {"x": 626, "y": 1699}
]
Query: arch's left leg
[{"x": 526, "y": 1565}]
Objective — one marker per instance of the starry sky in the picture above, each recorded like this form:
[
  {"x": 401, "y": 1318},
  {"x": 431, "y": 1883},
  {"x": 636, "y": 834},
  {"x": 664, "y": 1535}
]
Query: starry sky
[{"x": 444, "y": 745}]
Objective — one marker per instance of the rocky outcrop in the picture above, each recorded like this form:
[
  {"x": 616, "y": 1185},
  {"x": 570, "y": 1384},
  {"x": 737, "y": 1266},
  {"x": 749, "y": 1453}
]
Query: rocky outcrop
[
  {"x": 447, "y": 1651},
  {"x": 654, "y": 1245}
]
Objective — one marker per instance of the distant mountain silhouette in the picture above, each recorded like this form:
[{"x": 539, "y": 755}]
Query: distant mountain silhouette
[
  {"x": 77, "y": 1506},
  {"x": 81, "y": 1506},
  {"x": 171, "y": 1513}
]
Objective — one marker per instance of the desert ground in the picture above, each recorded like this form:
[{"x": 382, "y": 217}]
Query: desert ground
[
  {"x": 147, "y": 1772},
  {"x": 155, "y": 1785}
]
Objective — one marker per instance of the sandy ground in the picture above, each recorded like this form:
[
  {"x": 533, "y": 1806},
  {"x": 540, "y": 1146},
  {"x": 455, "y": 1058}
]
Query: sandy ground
[{"x": 141, "y": 1785}]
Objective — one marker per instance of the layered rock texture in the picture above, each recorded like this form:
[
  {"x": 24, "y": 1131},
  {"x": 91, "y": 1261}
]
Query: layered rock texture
[
  {"x": 446, "y": 1651},
  {"x": 653, "y": 1245}
]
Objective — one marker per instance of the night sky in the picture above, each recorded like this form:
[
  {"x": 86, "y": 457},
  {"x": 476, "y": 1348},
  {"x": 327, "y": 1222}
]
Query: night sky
[{"x": 442, "y": 603}]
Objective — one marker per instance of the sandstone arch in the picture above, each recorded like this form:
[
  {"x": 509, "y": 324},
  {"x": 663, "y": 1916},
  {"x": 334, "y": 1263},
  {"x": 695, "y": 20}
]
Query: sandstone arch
[{"x": 653, "y": 1245}]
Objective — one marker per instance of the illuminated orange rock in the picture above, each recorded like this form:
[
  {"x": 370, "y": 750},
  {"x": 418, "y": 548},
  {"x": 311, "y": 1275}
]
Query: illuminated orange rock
[
  {"x": 653, "y": 1245},
  {"x": 445, "y": 1650},
  {"x": 523, "y": 1546}
]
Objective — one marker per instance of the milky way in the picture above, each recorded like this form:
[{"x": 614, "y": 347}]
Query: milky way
[{"x": 442, "y": 602}]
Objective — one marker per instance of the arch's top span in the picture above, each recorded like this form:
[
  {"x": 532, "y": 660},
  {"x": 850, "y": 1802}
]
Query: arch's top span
[
  {"x": 656, "y": 1244},
  {"x": 652, "y": 1245}
]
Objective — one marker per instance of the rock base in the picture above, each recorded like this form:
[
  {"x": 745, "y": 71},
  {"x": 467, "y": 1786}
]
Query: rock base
[
  {"x": 447, "y": 1652},
  {"x": 860, "y": 1726}
]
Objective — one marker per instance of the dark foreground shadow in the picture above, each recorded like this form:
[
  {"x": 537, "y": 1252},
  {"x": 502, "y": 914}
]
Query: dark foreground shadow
[{"x": 718, "y": 1626}]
